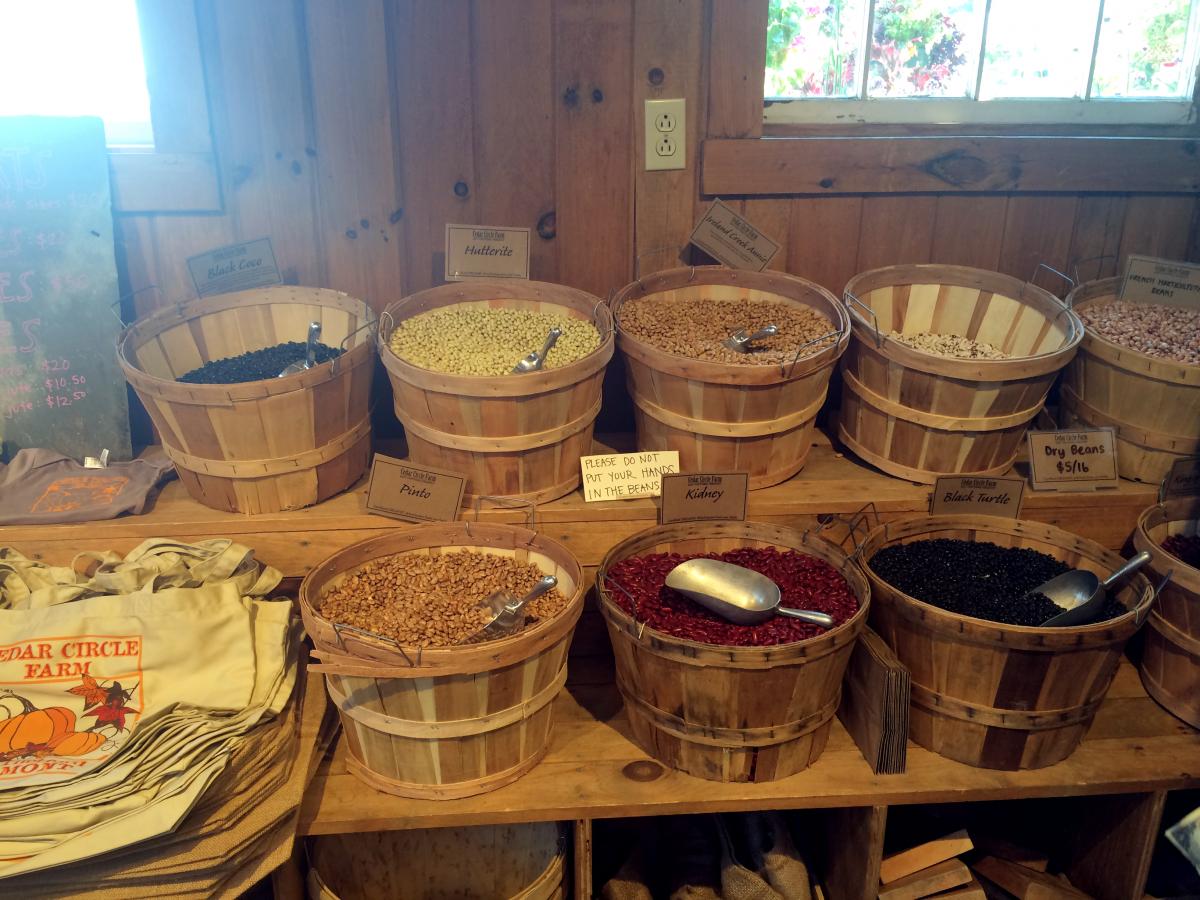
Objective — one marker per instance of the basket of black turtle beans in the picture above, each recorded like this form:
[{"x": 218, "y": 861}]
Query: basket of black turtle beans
[{"x": 992, "y": 684}]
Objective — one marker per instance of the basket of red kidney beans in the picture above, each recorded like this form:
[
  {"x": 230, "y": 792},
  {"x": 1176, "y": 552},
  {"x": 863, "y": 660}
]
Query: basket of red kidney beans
[{"x": 766, "y": 694}]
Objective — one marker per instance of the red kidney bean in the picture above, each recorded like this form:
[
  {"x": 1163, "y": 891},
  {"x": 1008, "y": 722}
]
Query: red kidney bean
[{"x": 638, "y": 586}]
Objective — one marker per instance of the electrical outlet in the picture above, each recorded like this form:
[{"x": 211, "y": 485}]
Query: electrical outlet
[{"x": 666, "y": 130}]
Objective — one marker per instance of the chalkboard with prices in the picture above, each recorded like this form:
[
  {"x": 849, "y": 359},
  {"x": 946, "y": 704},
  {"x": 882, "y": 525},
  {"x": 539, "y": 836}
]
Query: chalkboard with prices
[{"x": 60, "y": 385}]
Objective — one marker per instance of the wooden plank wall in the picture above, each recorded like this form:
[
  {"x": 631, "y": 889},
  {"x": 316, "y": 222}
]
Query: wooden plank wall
[{"x": 351, "y": 133}]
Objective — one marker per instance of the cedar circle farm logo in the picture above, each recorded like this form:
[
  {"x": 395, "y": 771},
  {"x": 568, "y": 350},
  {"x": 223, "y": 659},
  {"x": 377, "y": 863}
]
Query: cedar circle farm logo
[{"x": 59, "y": 718}]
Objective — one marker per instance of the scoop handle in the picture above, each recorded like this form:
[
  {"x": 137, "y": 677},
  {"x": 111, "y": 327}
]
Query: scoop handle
[
  {"x": 553, "y": 336},
  {"x": 310, "y": 346},
  {"x": 1128, "y": 569},
  {"x": 768, "y": 331},
  {"x": 807, "y": 615}
]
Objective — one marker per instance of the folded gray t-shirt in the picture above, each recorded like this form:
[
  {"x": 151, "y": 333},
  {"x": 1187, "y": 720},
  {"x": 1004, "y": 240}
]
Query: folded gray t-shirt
[{"x": 42, "y": 487}]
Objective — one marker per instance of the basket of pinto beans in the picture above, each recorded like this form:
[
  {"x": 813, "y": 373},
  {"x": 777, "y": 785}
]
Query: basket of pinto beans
[{"x": 726, "y": 701}]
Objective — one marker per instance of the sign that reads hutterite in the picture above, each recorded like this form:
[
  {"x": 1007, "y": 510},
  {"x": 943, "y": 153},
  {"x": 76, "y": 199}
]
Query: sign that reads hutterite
[{"x": 478, "y": 251}]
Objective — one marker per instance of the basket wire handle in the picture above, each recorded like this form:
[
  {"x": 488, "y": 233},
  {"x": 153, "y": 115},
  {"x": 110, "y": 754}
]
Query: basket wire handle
[
  {"x": 641, "y": 623},
  {"x": 1065, "y": 277},
  {"x": 510, "y": 503},
  {"x": 1088, "y": 259},
  {"x": 114, "y": 307},
  {"x": 848, "y": 296},
  {"x": 800, "y": 349},
  {"x": 612, "y": 326},
  {"x": 370, "y": 323},
  {"x": 860, "y": 516},
  {"x": 386, "y": 335},
  {"x": 339, "y": 627}
]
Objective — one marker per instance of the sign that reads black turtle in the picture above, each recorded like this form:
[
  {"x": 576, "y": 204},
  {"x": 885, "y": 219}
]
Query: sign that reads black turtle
[{"x": 973, "y": 495}]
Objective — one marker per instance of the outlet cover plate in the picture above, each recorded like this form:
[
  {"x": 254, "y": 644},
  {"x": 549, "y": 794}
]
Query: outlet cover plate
[{"x": 666, "y": 130}]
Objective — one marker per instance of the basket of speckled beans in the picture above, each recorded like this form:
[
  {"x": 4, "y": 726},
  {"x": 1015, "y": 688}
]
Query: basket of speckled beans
[
  {"x": 1137, "y": 371},
  {"x": 450, "y": 354}
]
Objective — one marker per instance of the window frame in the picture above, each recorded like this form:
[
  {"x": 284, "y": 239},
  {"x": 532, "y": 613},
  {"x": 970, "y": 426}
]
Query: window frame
[
  {"x": 781, "y": 112},
  {"x": 179, "y": 174}
]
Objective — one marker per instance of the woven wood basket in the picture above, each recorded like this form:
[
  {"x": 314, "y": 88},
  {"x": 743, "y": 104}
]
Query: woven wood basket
[
  {"x": 1154, "y": 404},
  {"x": 1170, "y": 652},
  {"x": 723, "y": 418},
  {"x": 259, "y": 446},
  {"x": 522, "y": 862},
  {"x": 917, "y": 415},
  {"x": 992, "y": 695},
  {"x": 447, "y": 722},
  {"x": 512, "y": 435},
  {"x": 729, "y": 713}
]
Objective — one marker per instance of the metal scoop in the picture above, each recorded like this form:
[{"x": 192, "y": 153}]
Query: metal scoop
[
  {"x": 740, "y": 341},
  {"x": 310, "y": 352},
  {"x": 736, "y": 593},
  {"x": 508, "y": 612},
  {"x": 1081, "y": 593},
  {"x": 537, "y": 358}
]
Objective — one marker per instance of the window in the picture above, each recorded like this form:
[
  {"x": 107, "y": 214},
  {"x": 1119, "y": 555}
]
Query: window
[
  {"x": 951, "y": 61},
  {"x": 76, "y": 58},
  {"x": 137, "y": 65}
]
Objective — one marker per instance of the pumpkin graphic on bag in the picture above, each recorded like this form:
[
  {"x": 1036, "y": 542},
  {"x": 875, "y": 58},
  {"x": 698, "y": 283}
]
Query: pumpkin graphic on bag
[
  {"x": 76, "y": 743},
  {"x": 32, "y": 730}
]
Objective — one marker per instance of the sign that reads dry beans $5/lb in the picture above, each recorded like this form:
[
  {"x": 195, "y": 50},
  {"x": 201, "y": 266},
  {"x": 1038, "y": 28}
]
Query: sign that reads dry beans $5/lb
[
  {"x": 704, "y": 497},
  {"x": 1081, "y": 460},
  {"x": 477, "y": 251},
  {"x": 625, "y": 476},
  {"x": 1150, "y": 280},
  {"x": 731, "y": 240},
  {"x": 972, "y": 495},
  {"x": 413, "y": 493}
]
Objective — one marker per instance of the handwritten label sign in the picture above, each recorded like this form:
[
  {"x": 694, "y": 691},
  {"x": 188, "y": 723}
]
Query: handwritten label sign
[
  {"x": 624, "y": 476},
  {"x": 1150, "y": 280},
  {"x": 960, "y": 495},
  {"x": 1184, "y": 478},
  {"x": 413, "y": 493},
  {"x": 731, "y": 240},
  {"x": 704, "y": 497},
  {"x": 1084, "y": 459},
  {"x": 476, "y": 251},
  {"x": 60, "y": 385},
  {"x": 237, "y": 267}
]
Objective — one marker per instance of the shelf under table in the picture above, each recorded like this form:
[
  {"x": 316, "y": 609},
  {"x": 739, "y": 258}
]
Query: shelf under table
[{"x": 594, "y": 770}]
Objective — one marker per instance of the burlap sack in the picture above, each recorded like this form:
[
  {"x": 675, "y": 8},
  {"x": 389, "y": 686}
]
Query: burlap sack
[
  {"x": 629, "y": 883},
  {"x": 737, "y": 881},
  {"x": 694, "y": 854},
  {"x": 772, "y": 854}
]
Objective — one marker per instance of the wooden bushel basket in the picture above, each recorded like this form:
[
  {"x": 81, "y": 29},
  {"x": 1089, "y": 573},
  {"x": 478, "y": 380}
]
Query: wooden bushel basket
[
  {"x": 1001, "y": 696},
  {"x": 505, "y": 862},
  {"x": 917, "y": 415},
  {"x": 729, "y": 713},
  {"x": 1154, "y": 404},
  {"x": 722, "y": 417},
  {"x": 1170, "y": 653},
  {"x": 447, "y": 722},
  {"x": 259, "y": 446},
  {"x": 510, "y": 435}
]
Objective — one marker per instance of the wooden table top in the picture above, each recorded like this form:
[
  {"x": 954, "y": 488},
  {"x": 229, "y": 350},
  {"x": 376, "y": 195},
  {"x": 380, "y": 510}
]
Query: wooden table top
[
  {"x": 295, "y": 541},
  {"x": 594, "y": 770}
]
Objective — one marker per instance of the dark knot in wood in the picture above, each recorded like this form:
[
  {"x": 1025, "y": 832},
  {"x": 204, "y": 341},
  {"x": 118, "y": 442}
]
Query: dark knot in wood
[
  {"x": 643, "y": 770},
  {"x": 959, "y": 168},
  {"x": 547, "y": 226}
]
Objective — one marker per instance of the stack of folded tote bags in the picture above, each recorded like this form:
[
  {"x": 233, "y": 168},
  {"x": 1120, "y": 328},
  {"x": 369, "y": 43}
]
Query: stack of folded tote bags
[{"x": 153, "y": 741}]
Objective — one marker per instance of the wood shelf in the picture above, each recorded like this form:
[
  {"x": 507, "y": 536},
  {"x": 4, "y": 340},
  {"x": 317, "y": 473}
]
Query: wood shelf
[
  {"x": 594, "y": 770},
  {"x": 829, "y": 483}
]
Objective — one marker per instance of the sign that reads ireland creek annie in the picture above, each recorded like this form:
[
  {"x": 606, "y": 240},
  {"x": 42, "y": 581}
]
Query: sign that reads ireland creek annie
[
  {"x": 973, "y": 495},
  {"x": 479, "y": 251},
  {"x": 731, "y": 240},
  {"x": 626, "y": 476}
]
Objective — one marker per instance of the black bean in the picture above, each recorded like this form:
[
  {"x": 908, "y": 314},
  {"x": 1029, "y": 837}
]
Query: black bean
[
  {"x": 978, "y": 579},
  {"x": 257, "y": 364}
]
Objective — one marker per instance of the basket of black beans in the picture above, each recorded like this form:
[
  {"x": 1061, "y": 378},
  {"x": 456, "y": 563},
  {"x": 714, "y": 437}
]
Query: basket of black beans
[{"x": 992, "y": 685}]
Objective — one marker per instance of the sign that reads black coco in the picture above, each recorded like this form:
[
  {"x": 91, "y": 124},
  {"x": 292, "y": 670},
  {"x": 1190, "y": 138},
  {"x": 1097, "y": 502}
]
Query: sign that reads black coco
[
  {"x": 704, "y": 497},
  {"x": 413, "y": 493}
]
